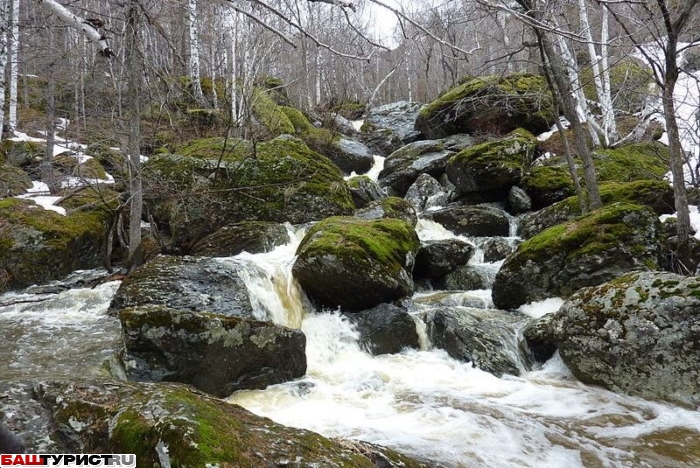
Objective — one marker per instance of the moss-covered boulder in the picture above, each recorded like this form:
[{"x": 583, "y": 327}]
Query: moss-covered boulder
[
  {"x": 587, "y": 251},
  {"x": 364, "y": 190},
  {"x": 390, "y": 207},
  {"x": 186, "y": 283},
  {"x": 83, "y": 168},
  {"x": 13, "y": 181},
  {"x": 249, "y": 236},
  {"x": 405, "y": 165},
  {"x": 385, "y": 329},
  {"x": 487, "y": 338},
  {"x": 216, "y": 184},
  {"x": 636, "y": 334},
  {"x": 472, "y": 220},
  {"x": 38, "y": 245},
  {"x": 216, "y": 354},
  {"x": 546, "y": 185},
  {"x": 356, "y": 264},
  {"x": 656, "y": 194},
  {"x": 270, "y": 115},
  {"x": 494, "y": 104},
  {"x": 493, "y": 165},
  {"x": 21, "y": 153},
  {"x": 389, "y": 127},
  {"x": 174, "y": 425}
]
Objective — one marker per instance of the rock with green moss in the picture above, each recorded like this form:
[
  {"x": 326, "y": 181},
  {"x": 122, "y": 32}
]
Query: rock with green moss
[
  {"x": 13, "y": 181},
  {"x": 656, "y": 194},
  {"x": 270, "y": 115},
  {"x": 487, "y": 338},
  {"x": 493, "y": 165},
  {"x": 389, "y": 127},
  {"x": 110, "y": 159},
  {"x": 174, "y": 425},
  {"x": 546, "y": 185},
  {"x": 636, "y": 334},
  {"x": 38, "y": 245},
  {"x": 356, "y": 264},
  {"x": 390, "y": 207},
  {"x": 587, "y": 251},
  {"x": 494, "y": 104},
  {"x": 248, "y": 236},
  {"x": 186, "y": 283},
  {"x": 385, "y": 329},
  {"x": 281, "y": 180},
  {"x": 214, "y": 353},
  {"x": 472, "y": 220},
  {"x": 364, "y": 190},
  {"x": 440, "y": 257},
  {"x": 21, "y": 153},
  {"x": 638, "y": 161},
  {"x": 69, "y": 165},
  {"x": 403, "y": 167}
]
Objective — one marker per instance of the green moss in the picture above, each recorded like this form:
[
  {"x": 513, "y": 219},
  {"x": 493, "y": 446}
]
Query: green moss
[
  {"x": 359, "y": 181},
  {"x": 298, "y": 119},
  {"x": 13, "y": 181},
  {"x": 638, "y": 161},
  {"x": 270, "y": 115},
  {"x": 511, "y": 152},
  {"x": 386, "y": 241}
]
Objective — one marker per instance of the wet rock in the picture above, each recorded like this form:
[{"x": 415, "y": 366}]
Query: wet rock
[
  {"x": 494, "y": 104},
  {"x": 465, "y": 278},
  {"x": 493, "y": 165},
  {"x": 497, "y": 248},
  {"x": 587, "y": 251},
  {"x": 174, "y": 424},
  {"x": 637, "y": 334},
  {"x": 538, "y": 339},
  {"x": 403, "y": 166},
  {"x": 476, "y": 220},
  {"x": 546, "y": 185},
  {"x": 364, "y": 190},
  {"x": 487, "y": 338},
  {"x": 385, "y": 329},
  {"x": 426, "y": 192},
  {"x": 216, "y": 354},
  {"x": 248, "y": 236},
  {"x": 352, "y": 156},
  {"x": 438, "y": 258},
  {"x": 390, "y": 207},
  {"x": 389, "y": 127},
  {"x": 356, "y": 264},
  {"x": 343, "y": 125},
  {"x": 518, "y": 201},
  {"x": 186, "y": 283}
]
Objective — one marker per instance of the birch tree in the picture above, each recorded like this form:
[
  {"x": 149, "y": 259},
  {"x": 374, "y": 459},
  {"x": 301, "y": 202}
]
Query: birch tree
[
  {"x": 14, "y": 66},
  {"x": 195, "y": 78},
  {"x": 5, "y": 27}
]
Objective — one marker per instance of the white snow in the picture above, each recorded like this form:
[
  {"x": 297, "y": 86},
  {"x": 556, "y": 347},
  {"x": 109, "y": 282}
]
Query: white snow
[{"x": 46, "y": 202}]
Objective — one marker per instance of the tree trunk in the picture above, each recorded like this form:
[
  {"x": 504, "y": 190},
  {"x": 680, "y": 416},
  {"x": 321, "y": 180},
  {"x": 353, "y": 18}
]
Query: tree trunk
[
  {"x": 4, "y": 38},
  {"x": 194, "y": 52},
  {"x": 14, "y": 66},
  {"x": 133, "y": 70}
]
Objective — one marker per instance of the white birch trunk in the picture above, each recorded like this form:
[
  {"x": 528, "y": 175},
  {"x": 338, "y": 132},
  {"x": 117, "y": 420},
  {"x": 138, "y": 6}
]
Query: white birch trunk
[
  {"x": 408, "y": 78},
  {"x": 501, "y": 18},
  {"x": 14, "y": 66},
  {"x": 317, "y": 63},
  {"x": 194, "y": 51},
  {"x": 78, "y": 23},
  {"x": 4, "y": 38},
  {"x": 606, "y": 100}
]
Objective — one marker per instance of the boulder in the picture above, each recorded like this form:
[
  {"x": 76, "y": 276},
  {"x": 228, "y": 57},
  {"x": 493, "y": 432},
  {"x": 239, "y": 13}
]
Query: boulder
[
  {"x": 440, "y": 257},
  {"x": 389, "y": 127},
  {"x": 20, "y": 153},
  {"x": 493, "y": 104},
  {"x": 403, "y": 166},
  {"x": 656, "y": 194},
  {"x": 472, "y": 220},
  {"x": 538, "y": 339},
  {"x": 364, "y": 190},
  {"x": 216, "y": 354},
  {"x": 280, "y": 180},
  {"x": 343, "y": 125},
  {"x": 351, "y": 156},
  {"x": 485, "y": 337},
  {"x": 496, "y": 249},
  {"x": 465, "y": 278},
  {"x": 38, "y": 245},
  {"x": 426, "y": 192},
  {"x": 390, "y": 207},
  {"x": 587, "y": 251},
  {"x": 13, "y": 181},
  {"x": 518, "y": 201},
  {"x": 249, "y": 236},
  {"x": 385, "y": 329},
  {"x": 186, "y": 283},
  {"x": 174, "y": 425},
  {"x": 356, "y": 264},
  {"x": 546, "y": 185},
  {"x": 637, "y": 334},
  {"x": 493, "y": 165}
]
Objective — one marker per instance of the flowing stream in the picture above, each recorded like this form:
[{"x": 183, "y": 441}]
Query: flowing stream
[{"x": 421, "y": 402}]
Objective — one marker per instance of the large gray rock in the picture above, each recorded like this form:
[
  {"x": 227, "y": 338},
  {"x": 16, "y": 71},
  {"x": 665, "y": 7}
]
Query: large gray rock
[
  {"x": 487, "y": 338},
  {"x": 389, "y": 127},
  {"x": 403, "y": 166},
  {"x": 356, "y": 264},
  {"x": 364, "y": 190},
  {"x": 587, "y": 251},
  {"x": 385, "y": 329},
  {"x": 438, "y": 258},
  {"x": 215, "y": 354},
  {"x": 185, "y": 283},
  {"x": 352, "y": 156},
  {"x": 390, "y": 207},
  {"x": 426, "y": 192},
  {"x": 472, "y": 220},
  {"x": 249, "y": 236},
  {"x": 518, "y": 201},
  {"x": 637, "y": 334},
  {"x": 497, "y": 248},
  {"x": 466, "y": 278}
]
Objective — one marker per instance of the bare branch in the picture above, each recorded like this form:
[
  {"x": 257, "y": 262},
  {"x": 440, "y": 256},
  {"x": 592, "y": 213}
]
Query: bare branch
[
  {"x": 258, "y": 20},
  {"x": 339, "y": 3}
]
